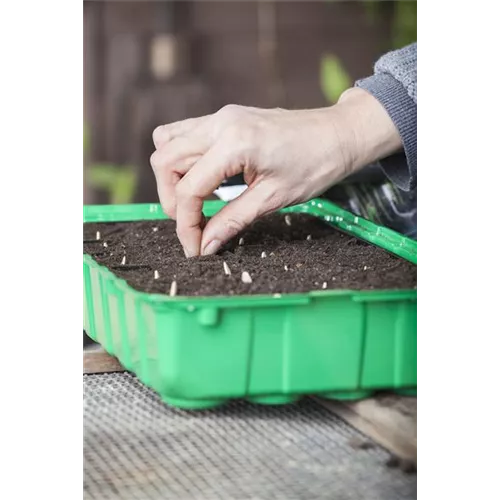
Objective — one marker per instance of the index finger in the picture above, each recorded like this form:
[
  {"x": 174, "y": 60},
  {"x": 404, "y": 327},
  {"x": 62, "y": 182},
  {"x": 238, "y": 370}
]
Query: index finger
[
  {"x": 199, "y": 183},
  {"x": 165, "y": 133}
]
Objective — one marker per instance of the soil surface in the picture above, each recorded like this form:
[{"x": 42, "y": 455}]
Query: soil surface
[{"x": 306, "y": 255}]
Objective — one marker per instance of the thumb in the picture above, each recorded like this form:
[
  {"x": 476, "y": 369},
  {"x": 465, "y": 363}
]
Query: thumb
[{"x": 256, "y": 201}]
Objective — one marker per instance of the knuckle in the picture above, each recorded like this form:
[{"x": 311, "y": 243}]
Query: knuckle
[
  {"x": 234, "y": 225},
  {"x": 153, "y": 160},
  {"x": 230, "y": 114},
  {"x": 236, "y": 125},
  {"x": 158, "y": 134},
  {"x": 229, "y": 110}
]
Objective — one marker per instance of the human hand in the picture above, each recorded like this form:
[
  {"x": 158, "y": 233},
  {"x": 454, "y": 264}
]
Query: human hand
[{"x": 286, "y": 157}]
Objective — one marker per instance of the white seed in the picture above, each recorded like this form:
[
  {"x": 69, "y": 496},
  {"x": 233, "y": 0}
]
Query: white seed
[
  {"x": 288, "y": 220},
  {"x": 105, "y": 245},
  {"x": 241, "y": 241},
  {"x": 245, "y": 277},
  {"x": 286, "y": 267},
  {"x": 98, "y": 235},
  {"x": 155, "y": 229},
  {"x": 227, "y": 271},
  {"x": 157, "y": 275},
  {"x": 173, "y": 289},
  {"x": 325, "y": 284},
  {"x": 309, "y": 237},
  {"x": 272, "y": 254},
  {"x": 124, "y": 260},
  {"x": 365, "y": 268},
  {"x": 333, "y": 278},
  {"x": 263, "y": 255}
]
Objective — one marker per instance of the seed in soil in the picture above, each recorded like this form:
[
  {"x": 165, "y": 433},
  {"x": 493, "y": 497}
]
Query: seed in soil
[
  {"x": 227, "y": 271},
  {"x": 98, "y": 235},
  {"x": 288, "y": 220},
  {"x": 263, "y": 255},
  {"x": 173, "y": 289},
  {"x": 241, "y": 241},
  {"x": 157, "y": 275},
  {"x": 309, "y": 237},
  {"x": 124, "y": 260},
  {"x": 245, "y": 277},
  {"x": 330, "y": 256}
]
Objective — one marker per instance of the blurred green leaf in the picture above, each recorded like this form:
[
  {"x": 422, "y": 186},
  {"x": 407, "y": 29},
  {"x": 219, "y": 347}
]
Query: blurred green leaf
[
  {"x": 125, "y": 188},
  {"x": 100, "y": 175},
  {"x": 334, "y": 77},
  {"x": 119, "y": 182}
]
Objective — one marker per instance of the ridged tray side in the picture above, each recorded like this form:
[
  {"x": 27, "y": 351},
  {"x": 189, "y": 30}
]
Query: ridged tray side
[{"x": 199, "y": 352}]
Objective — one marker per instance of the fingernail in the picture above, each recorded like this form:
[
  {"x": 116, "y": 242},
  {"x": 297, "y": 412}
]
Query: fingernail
[
  {"x": 187, "y": 253},
  {"x": 211, "y": 248}
]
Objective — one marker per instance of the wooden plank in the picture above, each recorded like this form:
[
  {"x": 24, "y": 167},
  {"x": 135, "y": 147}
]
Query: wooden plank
[
  {"x": 97, "y": 360},
  {"x": 389, "y": 420}
]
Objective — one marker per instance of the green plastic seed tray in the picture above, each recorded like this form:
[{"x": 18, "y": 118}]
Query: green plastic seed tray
[{"x": 198, "y": 352}]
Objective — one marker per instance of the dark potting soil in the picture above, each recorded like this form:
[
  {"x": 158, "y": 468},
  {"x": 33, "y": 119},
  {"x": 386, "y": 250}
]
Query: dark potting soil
[{"x": 307, "y": 255}]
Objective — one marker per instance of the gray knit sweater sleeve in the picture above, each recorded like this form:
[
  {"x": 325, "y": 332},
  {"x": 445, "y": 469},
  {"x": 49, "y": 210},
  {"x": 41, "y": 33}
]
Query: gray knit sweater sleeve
[{"x": 394, "y": 85}]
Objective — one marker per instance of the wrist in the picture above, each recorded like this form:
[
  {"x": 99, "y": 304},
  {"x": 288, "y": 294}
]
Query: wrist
[{"x": 368, "y": 132}]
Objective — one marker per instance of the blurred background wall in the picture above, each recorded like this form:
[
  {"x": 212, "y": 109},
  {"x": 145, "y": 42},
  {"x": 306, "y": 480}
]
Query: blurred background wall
[{"x": 153, "y": 62}]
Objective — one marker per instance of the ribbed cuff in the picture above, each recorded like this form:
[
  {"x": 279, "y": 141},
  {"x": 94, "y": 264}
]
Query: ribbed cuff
[{"x": 400, "y": 168}]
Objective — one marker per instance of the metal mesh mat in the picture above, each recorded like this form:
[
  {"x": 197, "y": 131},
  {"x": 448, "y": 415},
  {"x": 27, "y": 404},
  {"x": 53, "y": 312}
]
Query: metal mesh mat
[{"x": 136, "y": 447}]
